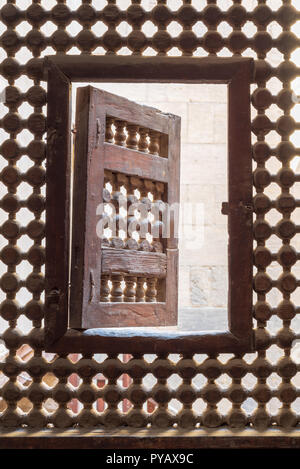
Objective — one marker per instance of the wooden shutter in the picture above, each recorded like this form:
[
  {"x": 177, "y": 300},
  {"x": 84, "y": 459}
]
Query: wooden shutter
[{"x": 123, "y": 147}]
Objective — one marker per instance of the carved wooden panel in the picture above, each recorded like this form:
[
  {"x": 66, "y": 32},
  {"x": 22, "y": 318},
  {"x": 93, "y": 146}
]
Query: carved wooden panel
[{"x": 126, "y": 160}]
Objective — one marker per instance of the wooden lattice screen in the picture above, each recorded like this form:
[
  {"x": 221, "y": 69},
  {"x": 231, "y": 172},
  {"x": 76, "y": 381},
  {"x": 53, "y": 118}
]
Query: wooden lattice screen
[{"x": 38, "y": 390}]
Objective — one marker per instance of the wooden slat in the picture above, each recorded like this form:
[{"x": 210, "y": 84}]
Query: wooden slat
[
  {"x": 136, "y": 263},
  {"x": 150, "y": 69},
  {"x": 125, "y": 315},
  {"x": 57, "y": 204},
  {"x": 135, "y": 163}
]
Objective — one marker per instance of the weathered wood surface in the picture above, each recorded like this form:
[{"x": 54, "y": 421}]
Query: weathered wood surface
[
  {"x": 151, "y": 69},
  {"x": 139, "y": 263},
  {"x": 133, "y": 438},
  {"x": 135, "y": 163},
  {"x": 58, "y": 176}
]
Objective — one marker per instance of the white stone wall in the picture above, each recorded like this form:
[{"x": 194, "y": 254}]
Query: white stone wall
[{"x": 203, "y": 112}]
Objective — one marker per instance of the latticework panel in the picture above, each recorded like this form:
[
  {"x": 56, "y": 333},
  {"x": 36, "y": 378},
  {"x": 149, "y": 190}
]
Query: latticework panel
[{"x": 258, "y": 389}]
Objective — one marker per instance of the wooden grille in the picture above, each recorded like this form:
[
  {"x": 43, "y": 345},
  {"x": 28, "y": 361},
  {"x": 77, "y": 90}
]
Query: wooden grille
[{"x": 270, "y": 375}]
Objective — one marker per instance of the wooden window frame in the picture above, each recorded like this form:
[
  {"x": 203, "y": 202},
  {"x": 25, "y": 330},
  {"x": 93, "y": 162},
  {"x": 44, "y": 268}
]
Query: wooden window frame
[{"x": 238, "y": 73}]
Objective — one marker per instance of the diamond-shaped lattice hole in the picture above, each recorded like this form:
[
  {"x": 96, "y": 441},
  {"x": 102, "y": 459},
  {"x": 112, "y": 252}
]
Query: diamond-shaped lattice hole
[
  {"x": 249, "y": 29},
  {"x": 75, "y": 406},
  {"x": 295, "y": 325},
  {"x": 124, "y": 406},
  {"x": 73, "y": 4},
  {"x": 74, "y": 28},
  {"x": 273, "y": 165},
  {"x": 295, "y": 138},
  {"x": 295, "y": 112},
  {"x": 199, "y": 381},
  {"x": 25, "y": 353},
  {"x": 99, "y": 28},
  {"x": 249, "y": 381},
  {"x": 123, "y": 4},
  {"x": 47, "y": 4},
  {"x": 124, "y": 29},
  {"x": 3, "y": 405},
  {"x": 224, "y": 29},
  {"x": 24, "y": 269},
  {"x": 24, "y": 216},
  {"x": 249, "y": 5},
  {"x": 174, "y": 5},
  {"x": 50, "y": 380},
  {"x": 273, "y": 406},
  {"x": 100, "y": 357},
  {"x": 174, "y": 28},
  {"x": 249, "y": 53},
  {"x": 3, "y": 379},
  {"x": 224, "y": 52},
  {"x": 23, "y": 28},
  {"x": 274, "y": 57},
  {"x": 149, "y": 358},
  {"x": 149, "y": 381},
  {"x": 150, "y": 405},
  {"x": 124, "y": 381},
  {"x": 149, "y": 29},
  {"x": 224, "y": 381},
  {"x": 174, "y": 52},
  {"x": 48, "y": 28},
  {"x": 23, "y": 55},
  {"x": 295, "y": 406},
  {"x": 274, "y": 4},
  {"x": 296, "y": 28},
  {"x": 274, "y": 29},
  {"x": 74, "y": 357},
  {"x": 124, "y": 51},
  {"x": 295, "y": 355},
  {"x": 200, "y": 358},
  {"x": 249, "y": 405},
  {"x": 174, "y": 381},
  {"x": 224, "y": 5},
  {"x": 24, "y": 190},
  {"x": 74, "y": 380},
  {"x": 274, "y": 85},
  {"x": 199, "y": 406},
  {"x": 174, "y": 406},
  {"x": 273, "y": 381},
  {"x": 199, "y": 29},
  {"x": 274, "y": 353},
  {"x": 24, "y": 405},
  {"x": 272, "y": 217},
  {"x": 200, "y": 52},
  {"x": 224, "y": 406},
  {"x": 50, "y": 405},
  {"x": 24, "y": 379}
]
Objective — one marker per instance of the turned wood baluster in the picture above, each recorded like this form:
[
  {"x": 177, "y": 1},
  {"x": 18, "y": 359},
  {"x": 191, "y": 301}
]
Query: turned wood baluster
[
  {"x": 132, "y": 141},
  {"x": 151, "y": 291},
  {"x": 120, "y": 136},
  {"x": 104, "y": 290},
  {"x": 154, "y": 142},
  {"x": 143, "y": 140},
  {"x": 157, "y": 225},
  {"x": 140, "y": 292},
  {"x": 129, "y": 291},
  {"x": 116, "y": 290},
  {"x": 109, "y": 134}
]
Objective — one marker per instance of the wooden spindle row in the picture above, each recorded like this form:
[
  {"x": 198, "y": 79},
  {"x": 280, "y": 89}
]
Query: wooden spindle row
[
  {"x": 121, "y": 192},
  {"x": 137, "y": 289},
  {"x": 133, "y": 136}
]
